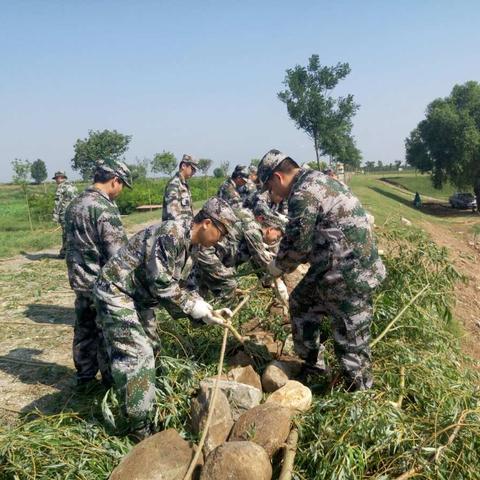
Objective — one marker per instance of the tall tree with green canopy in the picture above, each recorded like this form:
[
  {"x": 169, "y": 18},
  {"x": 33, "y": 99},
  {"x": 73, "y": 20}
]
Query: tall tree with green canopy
[
  {"x": 164, "y": 162},
  {"x": 97, "y": 146},
  {"x": 447, "y": 141},
  {"x": 310, "y": 104},
  {"x": 38, "y": 171}
]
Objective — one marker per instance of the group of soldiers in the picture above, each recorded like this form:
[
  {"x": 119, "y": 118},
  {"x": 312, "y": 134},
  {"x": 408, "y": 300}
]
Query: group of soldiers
[{"x": 277, "y": 216}]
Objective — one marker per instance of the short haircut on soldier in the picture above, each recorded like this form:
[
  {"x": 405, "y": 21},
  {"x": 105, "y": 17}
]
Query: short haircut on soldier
[
  {"x": 200, "y": 217},
  {"x": 287, "y": 165},
  {"x": 101, "y": 176}
]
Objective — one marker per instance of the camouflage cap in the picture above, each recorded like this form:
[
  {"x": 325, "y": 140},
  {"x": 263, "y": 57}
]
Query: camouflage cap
[
  {"x": 220, "y": 211},
  {"x": 118, "y": 168},
  {"x": 60, "y": 173},
  {"x": 271, "y": 219},
  {"x": 190, "y": 159},
  {"x": 270, "y": 161},
  {"x": 252, "y": 169},
  {"x": 241, "y": 171}
]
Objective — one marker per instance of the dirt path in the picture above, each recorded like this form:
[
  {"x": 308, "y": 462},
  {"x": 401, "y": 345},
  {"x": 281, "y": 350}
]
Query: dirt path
[
  {"x": 465, "y": 257},
  {"x": 36, "y": 331}
]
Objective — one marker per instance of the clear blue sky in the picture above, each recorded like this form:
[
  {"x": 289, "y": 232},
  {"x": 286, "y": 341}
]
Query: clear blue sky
[{"x": 202, "y": 76}]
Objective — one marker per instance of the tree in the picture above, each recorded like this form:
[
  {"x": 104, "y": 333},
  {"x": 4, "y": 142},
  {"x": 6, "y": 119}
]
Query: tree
[
  {"x": 225, "y": 166},
  {"x": 369, "y": 166},
  {"x": 417, "y": 154},
  {"x": 21, "y": 176},
  {"x": 348, "y": 153},
  {"x": 447, "y": 141},
  {"x": 326, "y": 120},
  {"x": 139, "y": 169},
  {"x": 204, "y": 165},
  {"x": 218, "y": 172},
  {"x": 97, "y": 146},
  {"x": 255, "y": 162},
  {"x": 38, "y": 170},
  {"x": 164, "y": 162},
  {"x": 315, "y": 166},
  {"x": 379, "y": 165},
  {"x": 398, "y": 164}
]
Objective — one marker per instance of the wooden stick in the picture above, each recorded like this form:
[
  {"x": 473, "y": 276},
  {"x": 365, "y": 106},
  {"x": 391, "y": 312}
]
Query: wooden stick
[
  {"x": 402, "y": 311},
  {"x": 289, "y": 455},
  {"x": 211, "y": 407},
  {"x": 195, "y": 458}
]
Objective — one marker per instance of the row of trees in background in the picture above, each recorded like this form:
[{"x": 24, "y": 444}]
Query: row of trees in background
[
  {"x": 110, "y": 143},
  {"x": 447, "y": 142}
]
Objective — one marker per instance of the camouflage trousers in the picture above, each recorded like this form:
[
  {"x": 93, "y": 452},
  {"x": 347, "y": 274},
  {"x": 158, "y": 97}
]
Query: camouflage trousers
[
  {"x": 212, "y": 275},
  {"x": 63, "y": 251},
  {"x": 89, "y": 352},
  {"x": 132, "y": 343},
  {"x": 313, "y": 302}
]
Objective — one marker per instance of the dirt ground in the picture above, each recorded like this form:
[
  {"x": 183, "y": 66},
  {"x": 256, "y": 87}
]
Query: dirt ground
[{"x": 36, "y": 308}]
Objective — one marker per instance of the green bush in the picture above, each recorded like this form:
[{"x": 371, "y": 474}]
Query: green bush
[{"x": 150, "y": 192}]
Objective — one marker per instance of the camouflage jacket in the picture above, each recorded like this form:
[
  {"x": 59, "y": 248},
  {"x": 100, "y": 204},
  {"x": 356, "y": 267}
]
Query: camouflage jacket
[
  {"x": 94, "y": 233},
  {"x": 177, "y": 200},
  {"x": 329, "y": 228},
  {"x": 64, "y": 194},
  {"x": 261, "y": 203},
  {"x": 228, "y": 192},
  {"x": 153, "y": 267},
  {"x": 245, "y": 243}
]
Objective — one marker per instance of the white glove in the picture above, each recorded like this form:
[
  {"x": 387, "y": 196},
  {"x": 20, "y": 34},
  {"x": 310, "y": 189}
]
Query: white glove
[
  {"x": 282, "y": 291},
  {"x": 201, "y": 309},
  {"x": 212, "y": 318},
  {"x": 273, "y": 270},
  {"x": 225, "y": 313}
]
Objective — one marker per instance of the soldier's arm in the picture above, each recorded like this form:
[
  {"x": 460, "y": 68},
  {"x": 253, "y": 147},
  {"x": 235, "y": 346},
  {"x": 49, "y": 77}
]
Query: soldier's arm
[
  {"x": 57, "y": 205},
  {"x": 172, "y": 200},
  {"x": 111, "y": 232},
  {"x": 257, "y": 249},
  {"x": 161, "y": 272},
  {"x": 297, "y": 243}
]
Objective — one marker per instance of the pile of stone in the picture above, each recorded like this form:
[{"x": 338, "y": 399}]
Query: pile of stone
[{"x": 244, "y": 437}]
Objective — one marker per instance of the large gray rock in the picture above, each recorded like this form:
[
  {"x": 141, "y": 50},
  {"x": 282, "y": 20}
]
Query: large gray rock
[
  {"x": 163, "y": 456},
  {"x": 237, "y": 461},
  {"x": 267, "y": 425},
  {"x": 245, "y": 375},
  {"x": 293, "y": 395},
  {"x": 241, "y": 397},
  {"x": 221, "y": 422},
  {"x": 278, "y": 373}
]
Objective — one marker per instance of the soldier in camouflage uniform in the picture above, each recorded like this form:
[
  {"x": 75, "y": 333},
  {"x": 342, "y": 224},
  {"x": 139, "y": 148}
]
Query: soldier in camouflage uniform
[
  {"x": 94, "y": 233},
  {"x": 328, "y": 228},
  {"x": 251, "y": 239},
  {"x": 64, "y": 194},
  {"x": 232, "y": 190},
  {"x": 148, "y": 273},
  {"x": 177, "y": 199}
]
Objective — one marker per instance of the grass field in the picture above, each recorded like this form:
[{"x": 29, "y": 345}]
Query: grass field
[
  {"x": 17, "y": 235},
  {"x": 421, "y": 184}
]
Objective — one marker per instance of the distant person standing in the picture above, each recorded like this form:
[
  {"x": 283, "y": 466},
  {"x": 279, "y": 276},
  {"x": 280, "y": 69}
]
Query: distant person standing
[
  {"x": 417, "y": 201},
  {"x": 177, "y": 199},
  {"x": 64, "y": 194},
  {"x": 94, "y": 234}
]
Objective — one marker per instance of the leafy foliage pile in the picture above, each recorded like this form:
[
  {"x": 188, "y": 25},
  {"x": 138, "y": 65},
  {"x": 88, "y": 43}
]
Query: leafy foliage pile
[{"x": 422, "y": 416}]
